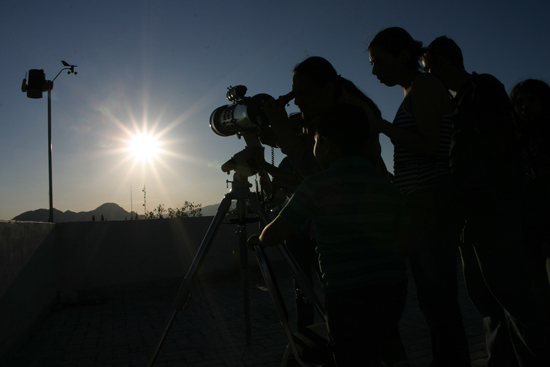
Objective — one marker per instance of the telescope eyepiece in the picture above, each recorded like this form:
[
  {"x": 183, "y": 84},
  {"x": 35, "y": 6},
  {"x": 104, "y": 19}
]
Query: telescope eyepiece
[
  {"x": 235, "y": 94},
  {"x": 288, "y": 97}
]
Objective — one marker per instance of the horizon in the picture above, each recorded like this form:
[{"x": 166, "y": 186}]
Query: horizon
[
  {"x": 204, "y": 211},
  {"x": 151, "y": 73}
]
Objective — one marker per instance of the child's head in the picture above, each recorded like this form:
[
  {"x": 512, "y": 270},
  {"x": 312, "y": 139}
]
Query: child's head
[
  {"x": 341, "y": 132},
  {"x": 531, "y": 102}
]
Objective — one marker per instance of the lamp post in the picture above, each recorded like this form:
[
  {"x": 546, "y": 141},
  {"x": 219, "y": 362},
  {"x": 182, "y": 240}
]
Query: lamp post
[{"x": 36, "y": 85}]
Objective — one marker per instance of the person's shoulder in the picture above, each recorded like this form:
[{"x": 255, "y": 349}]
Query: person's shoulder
[
  {"x": 486, "y": 80},
  {"x": 427, "y": 79},
  {"x": 425, "y": 82},
  {"x": 486, "y": 87}
]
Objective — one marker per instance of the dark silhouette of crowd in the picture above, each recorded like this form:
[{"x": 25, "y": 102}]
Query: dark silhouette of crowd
[{"x": 471, "y": 177}]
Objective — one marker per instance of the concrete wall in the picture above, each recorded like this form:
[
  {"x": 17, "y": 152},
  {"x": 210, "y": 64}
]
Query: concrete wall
[
  {"x": 99, "y": 254},
  {"x": 28, "y": 273},
  {"x": 40, "y": 259},
  {"x": 18, "y": 243}
]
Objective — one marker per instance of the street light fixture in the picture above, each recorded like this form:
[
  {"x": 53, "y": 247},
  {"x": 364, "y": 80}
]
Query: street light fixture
[{"x": 36, "y": 85}]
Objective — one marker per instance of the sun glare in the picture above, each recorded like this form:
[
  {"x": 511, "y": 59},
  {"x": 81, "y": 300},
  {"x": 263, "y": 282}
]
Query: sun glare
[{"x": 144, "y": 147}]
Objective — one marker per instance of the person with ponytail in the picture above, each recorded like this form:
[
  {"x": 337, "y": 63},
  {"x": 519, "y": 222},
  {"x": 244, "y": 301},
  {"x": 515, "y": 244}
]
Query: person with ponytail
[{"x": 421, "y": 135}]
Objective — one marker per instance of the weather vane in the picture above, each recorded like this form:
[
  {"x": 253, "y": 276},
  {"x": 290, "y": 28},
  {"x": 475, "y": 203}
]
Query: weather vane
[
  {"x": 36, "y": 86},
  {"x": 38, "y": 83}
]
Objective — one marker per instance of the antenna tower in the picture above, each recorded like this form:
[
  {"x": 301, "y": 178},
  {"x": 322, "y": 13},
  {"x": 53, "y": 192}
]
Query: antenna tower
[{"x": 144, "y": 200}]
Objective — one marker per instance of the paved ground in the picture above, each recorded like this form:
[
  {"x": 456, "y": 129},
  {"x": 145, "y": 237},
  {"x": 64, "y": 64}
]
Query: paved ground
[{"x": 120, "y": 327}]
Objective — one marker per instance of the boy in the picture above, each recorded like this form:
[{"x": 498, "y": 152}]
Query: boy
[
  {"x": 359, "y": 221},
  {"x": 485, "y": 167}
]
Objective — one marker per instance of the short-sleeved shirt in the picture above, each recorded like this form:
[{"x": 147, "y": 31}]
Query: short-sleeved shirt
[{"x": 358, "y": 214}]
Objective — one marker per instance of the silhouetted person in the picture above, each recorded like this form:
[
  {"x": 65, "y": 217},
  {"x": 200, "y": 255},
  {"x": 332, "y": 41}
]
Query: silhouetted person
[
  {"x": 318, "y": 88},
  {"x": 300, "y": 244},
  {"x": 359, "y": 219},
  {"x": 421, "y": 134},
  {"x": 485, "y": 166},
  {"x": 531, "y": 102}
]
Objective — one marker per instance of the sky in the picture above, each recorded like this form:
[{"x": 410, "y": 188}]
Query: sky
[{"x": 159, "y": 68}]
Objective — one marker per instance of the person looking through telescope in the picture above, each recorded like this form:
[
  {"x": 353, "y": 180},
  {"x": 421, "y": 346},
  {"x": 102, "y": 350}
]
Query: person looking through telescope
[{"x": 317, "y": 88}]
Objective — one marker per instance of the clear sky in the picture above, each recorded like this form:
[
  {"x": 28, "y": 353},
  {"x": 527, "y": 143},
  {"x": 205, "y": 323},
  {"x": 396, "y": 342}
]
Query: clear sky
[{"x": 160, "y": 67}]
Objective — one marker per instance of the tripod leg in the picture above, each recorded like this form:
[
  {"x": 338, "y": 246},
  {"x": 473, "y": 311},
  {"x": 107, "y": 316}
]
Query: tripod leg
[
  {"x": 242, "y": 233},
  {"x": 243, "y": 249},
  {"x": 241, "y": 210},
  {"x": 185, "y": 287},
  {"x": 301, "y": 279}
]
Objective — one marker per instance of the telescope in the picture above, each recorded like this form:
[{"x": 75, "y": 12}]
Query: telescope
[{"x": 245, "y": 114}]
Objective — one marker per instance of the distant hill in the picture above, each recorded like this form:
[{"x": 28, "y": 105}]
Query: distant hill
[
  {"x": 110, "y": 211},
  {"x": 209, "y": 210}
]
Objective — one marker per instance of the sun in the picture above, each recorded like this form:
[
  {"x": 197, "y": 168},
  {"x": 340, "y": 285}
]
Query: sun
[{"x": 144, "y": 147}]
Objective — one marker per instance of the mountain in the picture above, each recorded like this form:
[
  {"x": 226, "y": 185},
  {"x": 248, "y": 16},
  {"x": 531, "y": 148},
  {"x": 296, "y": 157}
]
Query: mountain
[
  {"x": 110, "y": 211},
  {"x": 209, "y": 210}
]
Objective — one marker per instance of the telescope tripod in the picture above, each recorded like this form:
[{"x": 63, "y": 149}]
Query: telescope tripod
[{"x": 240, "y": 191}]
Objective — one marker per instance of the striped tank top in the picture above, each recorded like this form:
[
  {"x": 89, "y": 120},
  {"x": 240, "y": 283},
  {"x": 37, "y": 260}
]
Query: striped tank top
[{"x": 413, "y": 171}]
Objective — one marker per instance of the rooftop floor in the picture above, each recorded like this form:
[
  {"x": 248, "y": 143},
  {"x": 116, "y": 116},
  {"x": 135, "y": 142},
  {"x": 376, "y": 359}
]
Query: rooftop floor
[{"x": 120, "y": 327}]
